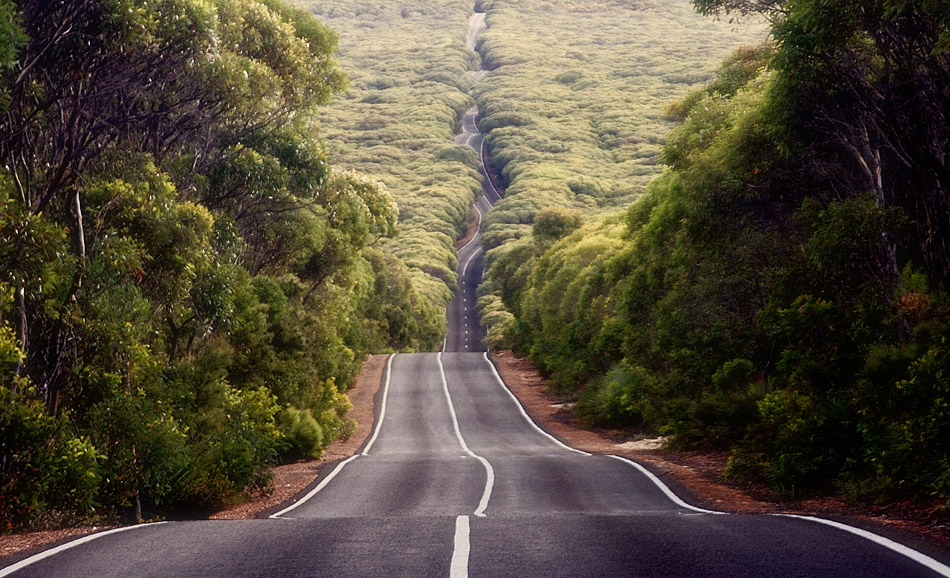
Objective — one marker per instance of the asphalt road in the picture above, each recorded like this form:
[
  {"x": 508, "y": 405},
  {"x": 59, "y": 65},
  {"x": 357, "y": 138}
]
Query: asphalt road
[
  {"x": 465, "y": 331},
  {"x": 457, "y": 481}
]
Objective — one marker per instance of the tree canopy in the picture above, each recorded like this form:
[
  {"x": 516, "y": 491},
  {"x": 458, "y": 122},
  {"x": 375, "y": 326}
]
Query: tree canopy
[
  {"x": 187, "y": 286},
  {"x": 781, "y": 289}
]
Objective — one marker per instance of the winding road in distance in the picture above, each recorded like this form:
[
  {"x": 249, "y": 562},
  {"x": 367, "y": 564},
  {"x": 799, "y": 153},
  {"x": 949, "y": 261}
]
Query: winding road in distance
[
  {"x": 465, "y": 331},
  {"x": 456, "y": 481}
]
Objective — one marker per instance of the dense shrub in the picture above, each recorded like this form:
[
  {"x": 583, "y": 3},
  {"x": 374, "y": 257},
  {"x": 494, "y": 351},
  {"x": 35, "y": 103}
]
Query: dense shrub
[
  {"x": 778, "y": 290},
  {"x": 186, "y": 284}
]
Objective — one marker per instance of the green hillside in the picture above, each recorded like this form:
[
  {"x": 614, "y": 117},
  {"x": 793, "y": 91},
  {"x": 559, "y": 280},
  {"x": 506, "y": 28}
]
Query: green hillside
[
  {"x": 578, "y": 105},
  {"x": 407, "y": 65}
]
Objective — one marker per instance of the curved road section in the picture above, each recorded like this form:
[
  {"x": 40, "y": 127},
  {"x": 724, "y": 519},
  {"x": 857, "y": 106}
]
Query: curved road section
[
  {"x": 465, "y": 332},
  {"x": 457, "y": 481}
]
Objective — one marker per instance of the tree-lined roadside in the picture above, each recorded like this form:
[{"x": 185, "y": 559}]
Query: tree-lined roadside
[
  {"x": 781, "y": 291},
  {"x": 186, "y": 284},
  {"x": 288, "y": 480},
  {"x": 696, "y": 475},
  {"x": 189, "y": 283},
  {"x": 700, "y": 475}
]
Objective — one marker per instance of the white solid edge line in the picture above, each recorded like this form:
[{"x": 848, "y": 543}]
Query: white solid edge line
[
  {"x": 920, "y": 558},
  {"x": 339, "y": 467},
  {"x": 316, "y": 490},
  {"x": 664, "y": 488},
  {"x": 382, "y": 411},
  {"x": 68, "y": 545},
  {"x": 914, "y": 555},
  {"x": 472, "y": 240},
  {"x": 469, "y": 260},
  {"x": 460, "y": 554},
  {"x": 489, "y": 470},
  {"x": 481, "y": 157},
  {"x": 524, "y": 413}
]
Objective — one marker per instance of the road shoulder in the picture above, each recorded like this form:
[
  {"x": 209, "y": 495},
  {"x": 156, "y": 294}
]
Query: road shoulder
[
  {"x": 289, "y": 480},
  {"x": 698, "y": 476}
]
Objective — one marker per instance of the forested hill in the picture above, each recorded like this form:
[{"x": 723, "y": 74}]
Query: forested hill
[
  {"x": 187, "y": 285},
  {"x": 781, "y": 290}
]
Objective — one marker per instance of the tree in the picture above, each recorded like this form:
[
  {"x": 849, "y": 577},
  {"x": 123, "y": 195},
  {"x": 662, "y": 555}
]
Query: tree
[
  {"x": 553, "y": 223},
  {"x": 181, "y": 272},
  {"x": 866, "y": 86}
]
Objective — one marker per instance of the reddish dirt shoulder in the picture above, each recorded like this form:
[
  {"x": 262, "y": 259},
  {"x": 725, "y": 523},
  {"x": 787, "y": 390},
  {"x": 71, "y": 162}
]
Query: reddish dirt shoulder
[
  {"x": 473, "y": 223},
  {"x": 15, "y": 543},
  {"x": 289, "y": 480},
  {"x": 698, "y": 474},
  {"x": 559, "y": 419},
  {"x": 701, "y": 474}
]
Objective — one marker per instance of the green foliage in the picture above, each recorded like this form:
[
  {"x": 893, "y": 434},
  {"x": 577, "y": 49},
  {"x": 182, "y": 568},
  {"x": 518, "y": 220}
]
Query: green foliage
[
  {"x": 407, "y": 94},
  {"x": 501, "y": 323},
  {"x": 186, "y": 286},
  {"x": 779, "y": 290},
  {"x": 623, "y": 396},
  {"x": 50, "y": 476},
  {"x": 394, "y": 308},
  {"x": 11, "y": 38},
  {"x": 574, "y": 102},
  {"x": 575, "y": 93},
  {"x": 922, "y": 426},
  {"x": 564, "y": 308},
  {"x": 302, "y": 435},
  {"x": 554, "y": 223}
]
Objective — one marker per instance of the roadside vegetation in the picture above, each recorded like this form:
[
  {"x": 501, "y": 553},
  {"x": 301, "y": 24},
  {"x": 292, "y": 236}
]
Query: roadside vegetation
[
  {"x": 407, "y": 64},
  {"x": 575, "y": 112},
  {"x": 187, "y": 285},
  {"x": 781, "y": 289},
  {"x": 205, "y": 226}
]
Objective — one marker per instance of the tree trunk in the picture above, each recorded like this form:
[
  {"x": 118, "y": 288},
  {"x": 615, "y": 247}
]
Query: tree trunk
[
  {"x": 23, "y": 330},
  {"x": 79, "y": 242}
]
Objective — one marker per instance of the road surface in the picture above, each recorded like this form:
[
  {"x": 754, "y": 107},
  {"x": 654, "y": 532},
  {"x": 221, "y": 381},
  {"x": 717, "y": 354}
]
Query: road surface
[
  {"x": 456, "y": 481},
  {"x": 465, "y": 331}
]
